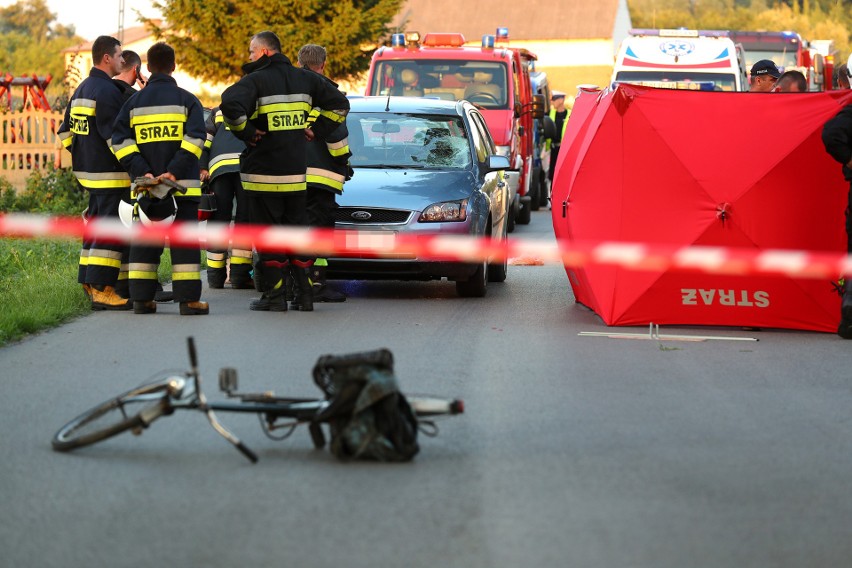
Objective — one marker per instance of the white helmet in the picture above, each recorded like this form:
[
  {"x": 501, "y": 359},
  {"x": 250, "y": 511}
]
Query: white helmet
[{"x": 148, "y": 210}]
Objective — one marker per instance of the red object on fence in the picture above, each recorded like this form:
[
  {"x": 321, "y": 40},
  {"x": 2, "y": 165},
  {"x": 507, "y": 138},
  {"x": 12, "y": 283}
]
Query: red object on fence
[
  {"x": 733, "y": 170},
  {"x": 33, "y": 90}
]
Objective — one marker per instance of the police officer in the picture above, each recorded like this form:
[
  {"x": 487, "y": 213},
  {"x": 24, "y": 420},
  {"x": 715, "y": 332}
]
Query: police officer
[
  {"x": 220, "y": 169},
  {"x": 559, "y": 114},
  {"x": 159, "y": 133},
  {"x": 328, "y": 169},
  {"x": 268, "y": 109},
  {"x": 86, "y": 131}
]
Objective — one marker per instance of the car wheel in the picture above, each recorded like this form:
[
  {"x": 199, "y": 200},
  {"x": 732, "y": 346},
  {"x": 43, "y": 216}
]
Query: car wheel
[
  {"x": 497, "y": 272},
  {"x": 511, "y": 213},
  {"x": 524, "y": 215},
  {"x": 476, "y": 285}
]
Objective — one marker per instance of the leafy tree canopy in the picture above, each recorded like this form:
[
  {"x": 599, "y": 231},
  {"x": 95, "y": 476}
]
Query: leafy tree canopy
[
  {"x": 31, "y": 41},
  {"x": 211, "y": 37}
]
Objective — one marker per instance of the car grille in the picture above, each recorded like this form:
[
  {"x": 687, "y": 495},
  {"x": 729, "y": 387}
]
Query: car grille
[{"x": 371, "y": 216}]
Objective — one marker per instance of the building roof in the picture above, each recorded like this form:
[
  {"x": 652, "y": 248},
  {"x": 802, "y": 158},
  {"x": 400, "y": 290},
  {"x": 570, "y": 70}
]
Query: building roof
[
  {"x": 532, "y": 20},
  {"x": 131, "y": 35}
]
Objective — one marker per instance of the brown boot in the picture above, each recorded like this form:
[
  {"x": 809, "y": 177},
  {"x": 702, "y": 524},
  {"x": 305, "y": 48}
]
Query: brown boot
[
  {"x": 198, "y": 308},
  {"x": 106, "y": 298},
  {"x": 87, "y": 288}
]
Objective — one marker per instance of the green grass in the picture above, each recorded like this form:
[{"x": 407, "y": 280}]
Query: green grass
[{"x": 38, "y": 285}]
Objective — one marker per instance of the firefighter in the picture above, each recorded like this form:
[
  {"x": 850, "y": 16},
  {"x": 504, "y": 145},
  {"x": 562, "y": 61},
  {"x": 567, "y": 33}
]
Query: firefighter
[
  {"x": 159, "y": 133},
  {"x": 220, "y": 169},
  {"x": 328, "y": 169},
  {"x": 86, "y": 131},
  {"x": 268, "y": 109}
]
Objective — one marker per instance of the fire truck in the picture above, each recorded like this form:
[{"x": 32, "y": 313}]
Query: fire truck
[
  {"x": 492, "y": 77},
  {"x": 789, "y": 52}
]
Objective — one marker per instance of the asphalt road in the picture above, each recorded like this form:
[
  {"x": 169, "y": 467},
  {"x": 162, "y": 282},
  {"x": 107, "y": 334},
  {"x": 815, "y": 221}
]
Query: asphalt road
[{"x": 574, "y": 451}]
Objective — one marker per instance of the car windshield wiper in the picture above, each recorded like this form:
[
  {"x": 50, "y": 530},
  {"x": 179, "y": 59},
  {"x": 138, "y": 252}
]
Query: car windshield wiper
[{"x": 392, "y": 167}]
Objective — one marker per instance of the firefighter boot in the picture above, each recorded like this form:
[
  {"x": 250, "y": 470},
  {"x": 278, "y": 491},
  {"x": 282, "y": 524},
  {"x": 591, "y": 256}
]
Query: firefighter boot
[
  {"x": 272, "y": 301},
  {"x": 241, "y": 277},
  {"x": 147, "y": 307},
  {"x": 216, "y": 277},
  {"x": 197, "y": 308},
  {"x": 844, "y": 330},
  {"x": 302, "y": 290},
  {"x": 105, "y": 298},
  {"x": 322, "y": 293}
]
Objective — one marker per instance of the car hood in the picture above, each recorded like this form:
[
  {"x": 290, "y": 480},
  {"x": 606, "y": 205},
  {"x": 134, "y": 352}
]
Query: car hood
[{"x": 405, "y": 189}]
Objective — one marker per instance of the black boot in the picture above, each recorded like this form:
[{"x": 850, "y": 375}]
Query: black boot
[
  {"x": 322, "y": 293},
  {"x": 304, "y": 296},
  {"x": 216, "y": 277},
  {"x": 272, "y": 301},
  {"x": 844, "y": 330}
]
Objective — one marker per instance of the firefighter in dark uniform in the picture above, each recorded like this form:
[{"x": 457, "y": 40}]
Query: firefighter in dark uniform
[
  {"x": 268, "y": 109},
  {"x": 86, "y": 131},
  {"x": 328, "y": 169},
  {"x": 159, "y": 133},
  {"x": 220, "y": 169},
  {"x": 837, "y": 138}
]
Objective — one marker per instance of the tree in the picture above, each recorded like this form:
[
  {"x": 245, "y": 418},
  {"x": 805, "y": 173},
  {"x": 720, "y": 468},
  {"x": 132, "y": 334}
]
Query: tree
[
  {"x": 211, "y": 37},
  {"x": 31, "y": 41}
]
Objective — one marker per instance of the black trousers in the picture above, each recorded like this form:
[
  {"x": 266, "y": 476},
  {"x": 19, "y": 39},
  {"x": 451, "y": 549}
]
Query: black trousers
[
  {"x": 322, "y": 205},
  {"x": 101, "y": 261},
  {"x": 228, "y": 190},
  {"x": 287, "y": 208},
  {"x": 186, "y": 263}
]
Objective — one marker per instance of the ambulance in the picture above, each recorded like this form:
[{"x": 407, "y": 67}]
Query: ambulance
[{"x": 705, "y": 60}]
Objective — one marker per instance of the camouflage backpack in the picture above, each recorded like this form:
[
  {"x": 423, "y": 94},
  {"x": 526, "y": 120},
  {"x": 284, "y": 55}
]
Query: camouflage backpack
[{"x": 367, "y": 415}]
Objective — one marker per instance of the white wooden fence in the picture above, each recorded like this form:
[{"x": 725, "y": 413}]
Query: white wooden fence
[{"x": 28, "y": 142}]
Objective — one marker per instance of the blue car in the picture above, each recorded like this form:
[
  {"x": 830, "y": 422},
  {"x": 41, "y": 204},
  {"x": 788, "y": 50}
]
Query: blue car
[{"x": 422, "y": 166}]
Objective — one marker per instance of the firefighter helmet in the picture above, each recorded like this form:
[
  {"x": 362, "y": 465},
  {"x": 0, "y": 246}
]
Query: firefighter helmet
[{"x": 148, "y": 210}]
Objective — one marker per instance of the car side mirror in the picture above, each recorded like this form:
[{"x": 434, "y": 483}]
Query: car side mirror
[
  {"x": 538, "y": 104},
  {"x": 496, "y": 162}
]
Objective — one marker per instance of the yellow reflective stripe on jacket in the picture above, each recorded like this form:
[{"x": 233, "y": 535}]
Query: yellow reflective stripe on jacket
[
  {"x": 153, "y": 114},
  {"x": 125, "y": 148},
  {"x": 192, "y": 145},
  {"x": 66, "y": 138},
  {"x": 258, "y": 182},
  {"x": 193, "y": 188},
  {"x": 219, "y": 118},
  {"x": 209, "y": 142},
  {"x": 108, "y": 180},
  {"x": 238, "y": 124},
  {"x": 325, "y": 177},
  {"x": 224, "y": 160},
  {"x": 338, "y": 148},
  {"x": 85, "y": 107},
  {"x": 334, "y": 115}
]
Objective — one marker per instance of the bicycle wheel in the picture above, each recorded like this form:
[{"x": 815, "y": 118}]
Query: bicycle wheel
[{"x": 135, "y": 409}]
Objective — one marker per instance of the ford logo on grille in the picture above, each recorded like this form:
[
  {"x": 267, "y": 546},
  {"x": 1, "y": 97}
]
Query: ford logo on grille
[{"x": 361, "y": 215}]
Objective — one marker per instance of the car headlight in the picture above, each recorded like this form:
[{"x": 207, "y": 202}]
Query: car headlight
[
  {"x": 504, "y": 150},
  {"x": 444, "y": 212}
]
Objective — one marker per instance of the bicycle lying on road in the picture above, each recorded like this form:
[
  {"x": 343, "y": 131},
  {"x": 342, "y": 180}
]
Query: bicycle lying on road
[{"x": 360, "y": 384}]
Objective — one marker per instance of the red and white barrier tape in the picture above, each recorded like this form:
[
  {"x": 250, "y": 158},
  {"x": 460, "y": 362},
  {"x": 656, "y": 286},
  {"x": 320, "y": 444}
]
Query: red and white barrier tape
[{"x": 332, "y": 243}]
